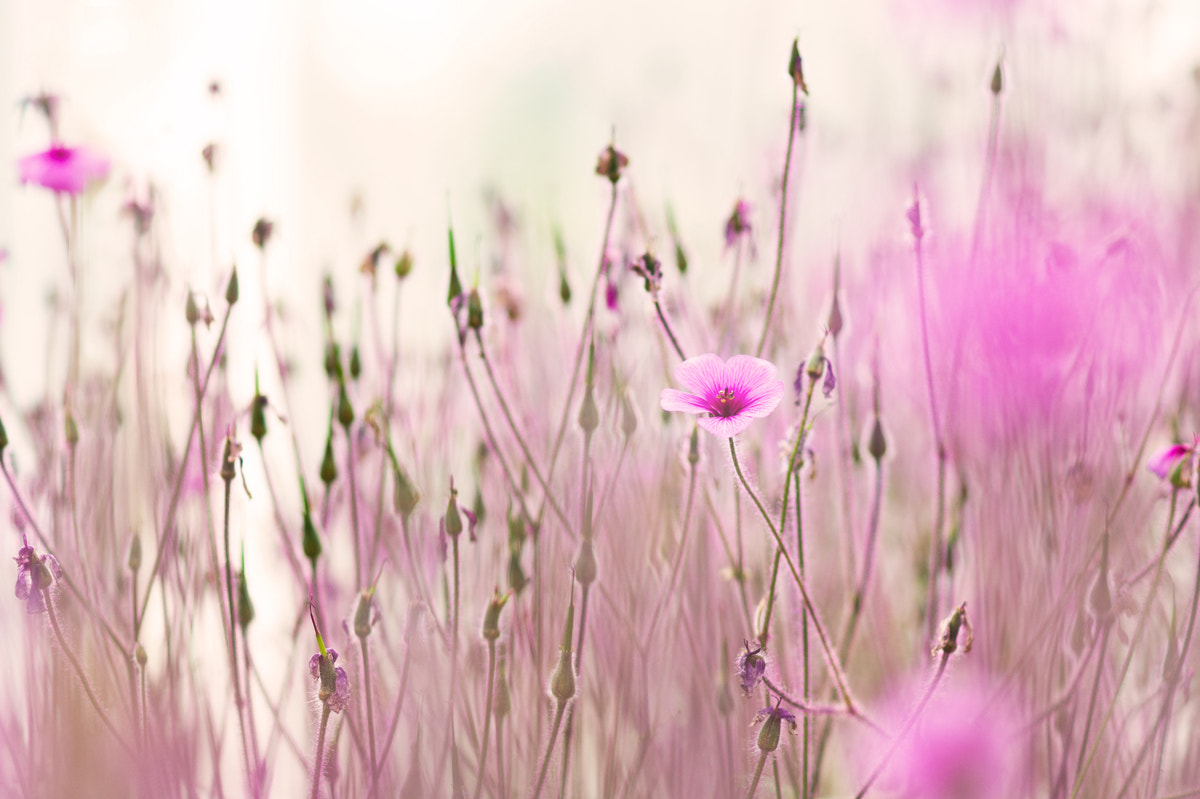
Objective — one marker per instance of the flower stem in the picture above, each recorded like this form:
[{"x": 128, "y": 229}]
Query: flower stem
[
  {"x": 487, "y": 718},
  {"x": 558, "y": 714},
  {"x": 352, "y": 469},
  {"x": 667, "y": 327},
  {"x": 366, "y": 656},
  {"x": 830, "y": 657},
  {"x": 318, "y": 760},
  {"x": 787, "y": 166},
  {"x": 762, "y": 760}
]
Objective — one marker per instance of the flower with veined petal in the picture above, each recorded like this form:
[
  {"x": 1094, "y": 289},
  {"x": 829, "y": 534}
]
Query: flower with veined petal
[{"x": 727, "y": 394}]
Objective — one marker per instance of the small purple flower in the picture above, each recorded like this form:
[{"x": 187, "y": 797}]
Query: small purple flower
[
  {"x": 751, "y": 665},
  {"x": 1166, "y": 461},
  {"x": 779, "y": 712},
  {"x": 727, "y": 394},
  {"x": 35, "y": 573},
  {"x": 333, "y": 684},
  {"x": 63, "y": 169}
]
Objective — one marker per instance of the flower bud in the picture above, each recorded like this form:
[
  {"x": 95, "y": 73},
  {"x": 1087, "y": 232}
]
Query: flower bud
[
  {"x": 245, "y": 607},
  {"x": 564, "y": 288},
  {"x": 516, "y": 574},
  {"x": 231, "y": 288},
  {"x": 491, "y": 616},
  {"x": 768, "y": 734},
  {"x": 589, "y": 414},
  {"x": 562, "y": 682},
  {"x": 135, "y": 553},
  {"x": 815, "y": 367},
  {"x": 70, "y": 429},
  {"x": 362, "y": 613},
  {"x": 333, "y": 361},
  {"x": 585, "y": 563},
  {"x": 258, "y": 417},
  {"x": 611, "y": 163},
  {"x": 452, "y": 521},
  {"x": 834, "y": 323},
  {"x": 355, "y": 363},
  {"x": 328, "y": 472},
  {"x": 796, "y": 67},
  {"x": 474, "y": 310},
  {"x": 139, "y": 654},
  {"x": 877, "y": 444},
  {"x": 310, "y": 541},
  {"x": 997, "y": 85},
  {"x": 191, "y": 311},
  {"x": 261, "y": 233},
  {"x": 406, "y": 497},
  {"x": 229, "y": 458},
  {"x": 455, "y": 284},
  {"x": 404, "y": 265},
  {"x": 345, "y": 411}
]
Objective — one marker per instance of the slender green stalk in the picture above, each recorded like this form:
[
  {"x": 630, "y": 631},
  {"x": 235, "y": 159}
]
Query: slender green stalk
[
  {"x": 787, "y": 167},
  {"x": 662, "y": 600},
  {"x": 762, "y": 760},
  {"x": 667, "y": 327},
  {"x": 352, "y": 469},
  {"x": 318, "y": 761},
  {"x": 830, "y": 657}
]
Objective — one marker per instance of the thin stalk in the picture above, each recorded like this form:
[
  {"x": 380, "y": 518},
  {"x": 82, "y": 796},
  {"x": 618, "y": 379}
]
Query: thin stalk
[
  {"x": 662, "y": 600},
  {"x": 775, "y": 768},
  {"x": 503, "y": 785},
  {"x": 1133, "y": 648},
  {"x": 935, "y": 556},
  {"x": 87, "y": 687},
  {"x": 864, "y": 580},
  {"x": 806, "y": 722},
  {"x": 758, "y": 770},
  {"x": 667, "y": 327},
  {"x": 487, "y": 718},
  {"x": 352, "y": 470},
  {"x": 558, "y": 714},
  {"x": 730, "y": 300},
  {"x": 319, "y": 759},
  {"x": 512, "y": 425},
  {"x": 830, "y": 657},
  {"x": 937, "y": 678},
  {"x": 387, "y": 742},
  {"x": 145, "y": 707},
  {"x": 1091, "y": 711},
  {"x": 237, "y": 682},
  {"x": 370, "y": 703},
  {"x": 787, "y": 166}
]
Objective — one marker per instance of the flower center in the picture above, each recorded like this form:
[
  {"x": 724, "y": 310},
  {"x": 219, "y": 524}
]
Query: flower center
[{"x": 727, "y": 403}]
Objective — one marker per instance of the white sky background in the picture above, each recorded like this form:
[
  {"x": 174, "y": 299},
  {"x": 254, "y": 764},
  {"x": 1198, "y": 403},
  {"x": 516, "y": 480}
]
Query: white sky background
[{"x": 417, "y": 106}]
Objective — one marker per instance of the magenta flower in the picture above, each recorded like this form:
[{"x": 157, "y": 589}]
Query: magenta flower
[
  {"x": 1165, "y": 462},
  {"x": 63, "y": 169},
  {"x": 728, "y": 395}
]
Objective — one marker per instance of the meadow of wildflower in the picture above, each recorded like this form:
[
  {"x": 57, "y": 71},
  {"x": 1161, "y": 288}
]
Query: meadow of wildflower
[{"x": 880, "y": 481}]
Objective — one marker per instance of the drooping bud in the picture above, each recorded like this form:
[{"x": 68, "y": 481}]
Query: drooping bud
[
  {"x": 135, "y": 554},
  {"x": 491, "y": 616},
  {"x": 231, "y": 288}
]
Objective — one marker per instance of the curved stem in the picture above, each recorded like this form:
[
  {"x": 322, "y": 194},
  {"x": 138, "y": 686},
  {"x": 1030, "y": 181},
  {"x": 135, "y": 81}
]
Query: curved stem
[
  {"x": 667, "y": 327},
  {"x": 762, "y": 759},
  {"x": 558, "y": 714},
  {"x": 787, "y": 166},
  {"x": 830, "y": 657}
]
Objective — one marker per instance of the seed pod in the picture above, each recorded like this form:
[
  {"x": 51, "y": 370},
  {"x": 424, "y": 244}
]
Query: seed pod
[
  {"x": 452, "y": 521},
  {"x": 231, "y": 288},
  {"x": 328, "y": 472},
  {"x": 245, "y": 607},
  {"x": 345, "y": 411}
]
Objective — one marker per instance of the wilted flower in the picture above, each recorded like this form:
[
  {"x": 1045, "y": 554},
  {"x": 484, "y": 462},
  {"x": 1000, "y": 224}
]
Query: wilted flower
[
  {"x": 751, "y": 665},
  {"x": 738, "y": 224},
  {"x": 35, "y": 573},
  {"x": 773, "y": 719},
  {"x": 70, "y": 170},
  {"x": 611, "y": 163},
  {"x": 333, "y": 687},
  {"x": 728, "y": 394}
]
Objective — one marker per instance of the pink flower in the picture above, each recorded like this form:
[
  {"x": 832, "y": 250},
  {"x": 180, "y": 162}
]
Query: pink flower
[
  {"x": 63, "y": 169},
  {"x": 728, "y": 394},
  {"x": 1165, "y": 462}
]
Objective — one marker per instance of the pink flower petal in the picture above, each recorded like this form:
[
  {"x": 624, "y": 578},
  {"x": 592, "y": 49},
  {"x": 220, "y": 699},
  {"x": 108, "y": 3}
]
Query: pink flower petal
[
  {"x": 1164, "y": 462},
  {"x": 725, "y": 427},
  {"x": 675, "y": 400},
  {"x": 763, "y": 400},
  {"x": 703, "y": 375}
]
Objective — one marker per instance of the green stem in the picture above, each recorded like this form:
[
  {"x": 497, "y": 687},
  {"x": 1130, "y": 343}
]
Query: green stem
[
  {"x": 487, "y": 718},
  {"x": 558, "y": 714},
  {"x": 370, "y": 703},
  {"x": 762, "y": 760}
]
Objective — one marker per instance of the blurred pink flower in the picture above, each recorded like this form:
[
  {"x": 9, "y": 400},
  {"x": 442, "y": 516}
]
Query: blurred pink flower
[
  {"x": 738, "y": 224},
  {"x": 63, "y": 169},
  {"x": 728, "y": 394},
  {"x": 1164, "y": 462}
]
